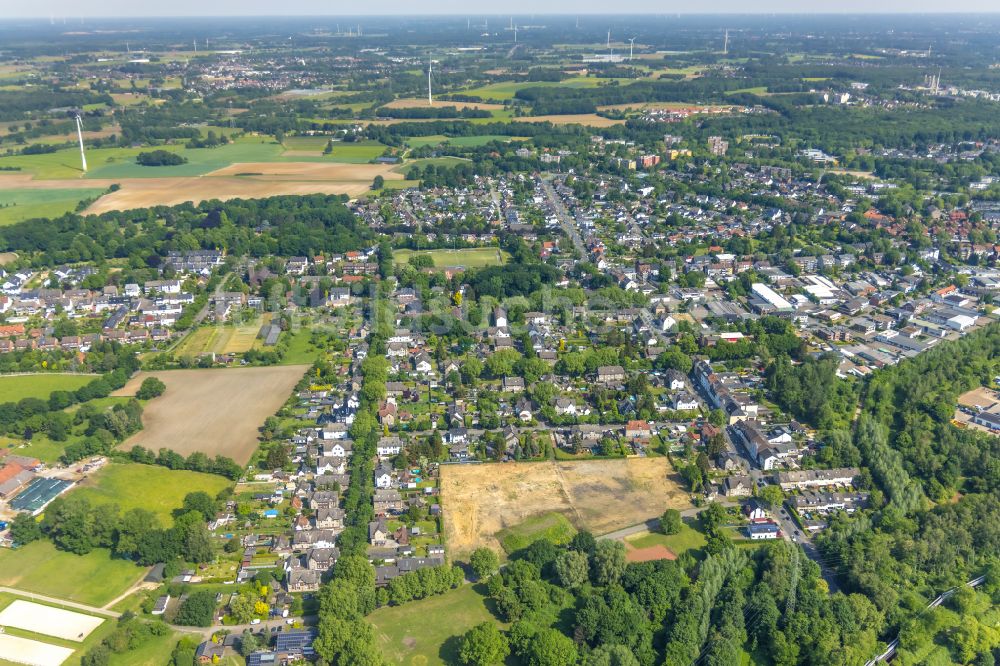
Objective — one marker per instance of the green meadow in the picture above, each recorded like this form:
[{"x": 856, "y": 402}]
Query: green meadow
[
  {"x": 112, "y": 163},
  {"x": 19, "y": 204},
  {"x": 95, "y": 578},
  {"x": 16, "y": 387},
  {"x": 149, "y": 487}
]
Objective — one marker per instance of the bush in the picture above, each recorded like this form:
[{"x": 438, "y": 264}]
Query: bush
[
  {"x": 160, "y": 158},
  {"x": 197, "y": 610},
  {"x": 151, "y": 387}
]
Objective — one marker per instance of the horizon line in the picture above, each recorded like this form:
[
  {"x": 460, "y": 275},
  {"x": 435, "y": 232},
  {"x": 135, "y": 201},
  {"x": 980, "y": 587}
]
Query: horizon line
[{"x": 856, "y": 12}]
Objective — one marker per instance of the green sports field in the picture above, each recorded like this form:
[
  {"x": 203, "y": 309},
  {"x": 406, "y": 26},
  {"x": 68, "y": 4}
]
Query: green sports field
[
  {"x": 15, "y": 387},
  {"x": 477, "y": 257},
  {"x": 156, "y": 489},
  {"x": 17, "y": 205}
]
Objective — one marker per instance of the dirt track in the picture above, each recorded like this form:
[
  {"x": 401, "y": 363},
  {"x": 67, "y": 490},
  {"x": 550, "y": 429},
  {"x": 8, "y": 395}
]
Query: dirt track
[
  {"x": 597, "y": 495},
  {"x": 216, "y": 412}
]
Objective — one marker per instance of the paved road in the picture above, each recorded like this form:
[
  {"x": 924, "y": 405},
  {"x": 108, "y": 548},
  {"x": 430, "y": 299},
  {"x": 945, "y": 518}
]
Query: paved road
[
  {"x": 653, "y": 524},
  {"x": 566, "y": 221},
  {"x": 93, "y": 610}
]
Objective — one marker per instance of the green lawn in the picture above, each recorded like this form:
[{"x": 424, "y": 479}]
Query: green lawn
[
  {"x": 553, "y": 526},
  {"x": 42, "y": 447},
  {"x": 470, "y": 258},
  {"x": 154, "y": 653},
  {"x": 687, "y": 539},
  {"x": 17, "y": 205},
  {"x": 427, "y": 632},
  {"x": 93, "y": 579},
  {"x": 15, "y": 387},
  {"x": 150, "y": 487},
  {"x": 300, "y": 350}
]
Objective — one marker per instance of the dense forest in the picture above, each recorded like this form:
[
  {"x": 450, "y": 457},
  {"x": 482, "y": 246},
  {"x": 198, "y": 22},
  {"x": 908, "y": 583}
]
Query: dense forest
[{"x": 285, "y": 226}]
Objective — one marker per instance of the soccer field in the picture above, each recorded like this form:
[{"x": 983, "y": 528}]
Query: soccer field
[
  {"x": 476, "y": 257},
  {"x": 41, "y": 385}
]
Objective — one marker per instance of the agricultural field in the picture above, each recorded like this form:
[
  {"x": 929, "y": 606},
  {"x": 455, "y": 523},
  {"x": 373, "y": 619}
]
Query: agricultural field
[
  {"x": 220, "y": 339},
  {"x": 94, "y": 579},
  {"x": 17, "y": 205},
  {"x": 461, "y": 141},
  {"x": 436, "y": 161},
  {"x": 597, "y": 495},
  {"x": 142, "y": 193},
  {"x": 216, "y": 412},
  {"x": 420, "y": 103},
  {"x": 251, "y": 167},
  {"x": 15, "y": 387},
  {"x": 156, "y": 489},
  {"x": 426, "y": 632},
  {"x": 477, "y": 257}
]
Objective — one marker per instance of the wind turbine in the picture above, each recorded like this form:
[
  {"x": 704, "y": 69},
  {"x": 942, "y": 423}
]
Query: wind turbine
[
  {"x": 515, "y": 34},
  {"x": 79, "y": 135},
  {"x": 430, "y": 68},
  {"x": 631, "y": 43},
  {"x": 725, "y": 44}
]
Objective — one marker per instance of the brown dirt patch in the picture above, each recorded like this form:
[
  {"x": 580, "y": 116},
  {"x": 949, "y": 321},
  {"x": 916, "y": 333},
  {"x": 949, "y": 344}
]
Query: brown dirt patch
[
  {"x": 588, "y": 119},
  {"x": 338, "y": 171},
  {"x": 596, "y": 495},
  {"x": 658, "y": 552},
  {"x": 216, "y": 412}
]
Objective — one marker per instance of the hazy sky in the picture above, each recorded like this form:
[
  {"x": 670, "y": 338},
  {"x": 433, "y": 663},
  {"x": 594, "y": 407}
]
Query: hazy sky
[{"x": 73, "y": 8}]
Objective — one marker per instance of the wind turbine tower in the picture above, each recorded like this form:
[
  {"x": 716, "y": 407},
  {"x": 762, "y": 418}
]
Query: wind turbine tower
[
  {"x": 631, "y": 43},
  {"x": 79, "y": 135},
  {"x": 725, "y": 44},
  {"x": 430, "y": 67}
]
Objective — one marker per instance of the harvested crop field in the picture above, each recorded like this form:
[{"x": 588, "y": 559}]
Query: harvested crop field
[
  {"x": 588, "y": 119},
  {"x": 337, "y": 171},
  {"x": 259, "y": 180},
  {"x": 216, "y": 412},
  {"x": 420, "y": 103},
  {"x": 597, "y": 495}
]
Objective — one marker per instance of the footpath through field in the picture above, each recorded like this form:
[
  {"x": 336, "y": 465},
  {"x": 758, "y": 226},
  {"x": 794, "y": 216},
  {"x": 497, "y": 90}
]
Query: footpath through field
[{"x": 61, "y": 602}]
